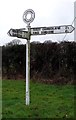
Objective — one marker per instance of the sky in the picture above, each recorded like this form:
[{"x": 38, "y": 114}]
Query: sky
[{"x": 47, "y": 13}]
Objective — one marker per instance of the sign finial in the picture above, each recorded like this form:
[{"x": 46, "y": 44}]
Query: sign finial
[{"x": 28, "y": 16}]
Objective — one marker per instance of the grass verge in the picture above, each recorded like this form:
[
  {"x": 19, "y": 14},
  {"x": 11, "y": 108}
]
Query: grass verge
[{"x": 46, "y": 101}]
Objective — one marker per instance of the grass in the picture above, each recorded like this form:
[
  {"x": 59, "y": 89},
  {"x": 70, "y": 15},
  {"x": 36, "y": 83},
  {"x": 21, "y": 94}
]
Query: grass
[
  {"x": 0, "y": 98},
  {"x": 47, "y": 101}
]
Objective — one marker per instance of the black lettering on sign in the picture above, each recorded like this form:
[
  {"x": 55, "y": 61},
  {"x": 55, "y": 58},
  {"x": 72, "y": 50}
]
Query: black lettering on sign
[
  {"x": 66, "y": 27},
  {"x": 44, "y": 28},
  {"x": 47, "y": 32},
  {"x": 48, "y": 28},
  {"x": 35, "y": 33},
  {"x": 66, "y": 31},
  {"x": 50, "y": 32},
  {"x": 57, "y": 27},
  {"x": 43, "y": 32},
  {"x": 36, "y": 29},
  {"x": 51, "y": 28}
]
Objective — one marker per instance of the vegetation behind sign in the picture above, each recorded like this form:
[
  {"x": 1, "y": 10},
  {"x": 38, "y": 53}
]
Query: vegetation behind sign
[{"x": 50, "y": 62}]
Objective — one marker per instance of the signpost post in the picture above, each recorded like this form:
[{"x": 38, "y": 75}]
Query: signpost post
[
  {"x": 28, "y": 17},
  {"x": 28, "y": 21}
]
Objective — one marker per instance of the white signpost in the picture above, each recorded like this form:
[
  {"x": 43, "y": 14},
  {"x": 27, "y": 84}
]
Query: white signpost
[
  {"x": 28, "y": 17},
  {"x": 18, "y": 33},
  {"x": 52, "y": 30}
]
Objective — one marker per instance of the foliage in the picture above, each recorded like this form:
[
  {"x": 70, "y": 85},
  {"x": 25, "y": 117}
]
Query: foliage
[
  {"x": 13, "y": 61},
  {"x": 49, "y": 61},
  {"x": 14, "y": 42}
]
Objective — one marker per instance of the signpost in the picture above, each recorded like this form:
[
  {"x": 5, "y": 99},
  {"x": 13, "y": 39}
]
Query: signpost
[
  {"x": 28, "y": 17},
  {"x": 28, "y": 21},
  {"x": 18, "y": 33},
  {"x": 52, "y": 30}
]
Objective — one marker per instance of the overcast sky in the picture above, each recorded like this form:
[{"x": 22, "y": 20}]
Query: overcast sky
[{"x": 47, "y": 13}]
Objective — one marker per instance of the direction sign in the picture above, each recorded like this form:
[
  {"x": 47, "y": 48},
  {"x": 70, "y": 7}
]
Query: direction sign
[
  {"x": 52, "y": 30},
  {"x": 18, "y": 33},
  {"x": 12, "y": 32},
  {"x": 23, "y": 34}
]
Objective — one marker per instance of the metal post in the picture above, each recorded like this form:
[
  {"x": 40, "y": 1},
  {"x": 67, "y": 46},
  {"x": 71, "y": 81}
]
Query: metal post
[
  {"x": 28, "y": 67},
  {"x": 28, "y": 21}
]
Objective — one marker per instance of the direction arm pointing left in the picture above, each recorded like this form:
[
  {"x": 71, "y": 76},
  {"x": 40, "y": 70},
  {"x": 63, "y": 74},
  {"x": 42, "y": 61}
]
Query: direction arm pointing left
[
  {"x": 12, "y": 32},
  {"x": 19, "y": 33}
]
